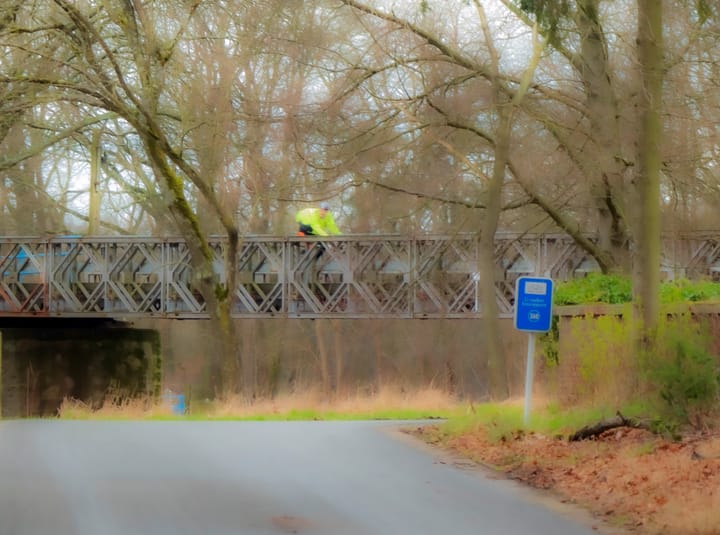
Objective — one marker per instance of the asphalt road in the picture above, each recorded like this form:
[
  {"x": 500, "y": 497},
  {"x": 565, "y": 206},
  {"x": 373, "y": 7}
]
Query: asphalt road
[{"x": 254, "y": 478}]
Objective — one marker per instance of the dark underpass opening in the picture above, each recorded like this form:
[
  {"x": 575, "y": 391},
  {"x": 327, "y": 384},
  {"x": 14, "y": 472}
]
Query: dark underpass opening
[{"x": 47, "y": 360}]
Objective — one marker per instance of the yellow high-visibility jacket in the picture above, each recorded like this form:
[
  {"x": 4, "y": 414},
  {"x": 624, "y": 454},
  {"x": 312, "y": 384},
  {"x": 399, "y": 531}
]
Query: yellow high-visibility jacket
[{"x": 321, "y": 226}]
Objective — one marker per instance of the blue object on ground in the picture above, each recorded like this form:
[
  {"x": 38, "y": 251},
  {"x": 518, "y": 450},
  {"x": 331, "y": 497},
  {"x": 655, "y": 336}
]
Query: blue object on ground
[{"x": 176, "y": 402}]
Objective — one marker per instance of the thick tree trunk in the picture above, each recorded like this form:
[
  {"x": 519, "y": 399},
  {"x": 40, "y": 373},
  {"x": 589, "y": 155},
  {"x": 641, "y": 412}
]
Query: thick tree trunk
[
  {"x": 650, "y": 56},
  {"x": 491, "y": 324},
  {"x": 602, "y": 159},
  {"x": 217, "y": 296}
]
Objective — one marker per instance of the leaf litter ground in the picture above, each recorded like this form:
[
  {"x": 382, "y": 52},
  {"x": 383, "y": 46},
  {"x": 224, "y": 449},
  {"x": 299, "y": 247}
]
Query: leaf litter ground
[{"x": 627, "y": 478}]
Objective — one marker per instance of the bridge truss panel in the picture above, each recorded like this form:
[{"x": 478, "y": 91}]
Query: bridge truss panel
[
  {"x": 260, "y": 285},
  {"x": 446, "y": 277},
  {"x": 345, "y": 276},
  {"x": 701, "y": 255},
  {"x": 23, "y": 280},
  {"x": 381, "y": 277},
  {"x": 182, "y": 297}
]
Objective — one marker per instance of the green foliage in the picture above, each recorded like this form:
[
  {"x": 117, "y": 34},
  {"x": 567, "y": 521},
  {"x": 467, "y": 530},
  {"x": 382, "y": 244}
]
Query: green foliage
[
  {"x": 548, "y": 14},
  {"x": 221, "y": 292},
  {"x": 683, "y": 372},
  {"x": 594, "y": 288},
  {"x": 616, "y": 289},
  {"x": 502, "y": 420},
  {"x": 677, "y": 373},
  {"x": 683, "y": 290},
  {"x": 549, "y": 344},
  {"x": 604, "y": 359}
]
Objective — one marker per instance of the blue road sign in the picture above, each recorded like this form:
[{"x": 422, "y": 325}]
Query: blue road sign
[{"x": 533, "y": 304}]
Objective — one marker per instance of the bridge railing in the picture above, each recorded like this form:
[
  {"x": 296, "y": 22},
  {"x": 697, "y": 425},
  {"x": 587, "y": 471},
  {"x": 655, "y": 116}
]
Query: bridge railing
[{"x": 347, "y": 276}]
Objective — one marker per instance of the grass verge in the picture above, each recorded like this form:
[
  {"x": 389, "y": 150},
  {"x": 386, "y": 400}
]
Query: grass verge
[{"x": 385, "y": 405}]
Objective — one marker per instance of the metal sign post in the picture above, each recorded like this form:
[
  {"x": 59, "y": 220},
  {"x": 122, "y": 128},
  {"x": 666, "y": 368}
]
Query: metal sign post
[{"x": 533, "y": 314}]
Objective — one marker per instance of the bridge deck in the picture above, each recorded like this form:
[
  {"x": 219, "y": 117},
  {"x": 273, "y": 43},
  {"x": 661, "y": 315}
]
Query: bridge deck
[{"x": 358, "y": 276}]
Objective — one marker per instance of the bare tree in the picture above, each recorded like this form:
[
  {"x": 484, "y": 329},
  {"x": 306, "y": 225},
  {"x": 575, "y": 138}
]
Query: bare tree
[
  {"x": 123, "y": 59},
  {"x": 426, "y": 104},
  {"x": 216, "y": 117},
  {"x": 506, "y": 109}
]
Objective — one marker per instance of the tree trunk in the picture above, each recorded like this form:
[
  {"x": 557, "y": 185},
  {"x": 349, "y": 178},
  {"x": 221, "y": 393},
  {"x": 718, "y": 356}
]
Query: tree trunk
[
  {"x": 94, "y": 191},
  {"x": 491, "y": 324},
  {"x": 326, "y": 376},
  {"x": 602, "y": 162},
  {"x": 650, "y": 56}
]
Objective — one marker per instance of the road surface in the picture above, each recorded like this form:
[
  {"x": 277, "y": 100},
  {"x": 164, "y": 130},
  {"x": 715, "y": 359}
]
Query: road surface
[{"x": 252, "y": 478}]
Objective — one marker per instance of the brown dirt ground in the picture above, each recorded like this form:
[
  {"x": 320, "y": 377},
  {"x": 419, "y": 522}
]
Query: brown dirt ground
[{"x": 628, "y": 478}]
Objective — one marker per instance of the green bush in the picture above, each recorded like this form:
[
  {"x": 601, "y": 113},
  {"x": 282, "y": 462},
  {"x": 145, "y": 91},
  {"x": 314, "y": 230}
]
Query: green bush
[
  {"x": 548, "y": 342},
  {"x": 603, "y": 365},
  {"x": 616, "y": 289},
  {"x": 676, "y": 373},
  {"x": 683, "y": 372},
  {"x": 683, "y": 291},
  {"x": 594, "y": 288}
]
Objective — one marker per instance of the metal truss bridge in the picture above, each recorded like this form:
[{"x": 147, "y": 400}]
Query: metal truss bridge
[{"x": 357, "y": 276}]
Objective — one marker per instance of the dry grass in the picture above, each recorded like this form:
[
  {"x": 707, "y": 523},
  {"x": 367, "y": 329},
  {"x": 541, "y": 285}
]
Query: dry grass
[
  {"x": 309, "y": 405},
  {"x": 136, "y": 408},
  {"x": 698, "y": 514},
  {"x": 313, "y": 402}
]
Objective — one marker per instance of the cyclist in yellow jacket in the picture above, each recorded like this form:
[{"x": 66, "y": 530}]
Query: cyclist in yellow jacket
[{"x": 316, "y": 221}]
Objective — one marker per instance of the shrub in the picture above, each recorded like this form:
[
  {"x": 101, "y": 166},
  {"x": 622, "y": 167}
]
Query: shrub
[
  {"x": 604, "y": 362},
  {"x": 683, "y": 372},
  {"x": 678, "y": 373},
  {"x": 683, "y": 290},
  {"x": 594, "y": 288},
  {"x": 616, "y": 289}
]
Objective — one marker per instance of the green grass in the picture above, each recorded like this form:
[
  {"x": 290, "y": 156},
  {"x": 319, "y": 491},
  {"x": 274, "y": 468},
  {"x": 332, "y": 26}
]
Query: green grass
[
  {"x": 293, "y": 415},
  {"x": 499, "y": 419},
  {"x": 502, "y": 420},
  {"x": 427, "y": 404},
  {"x": 314, "y": 414}
]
